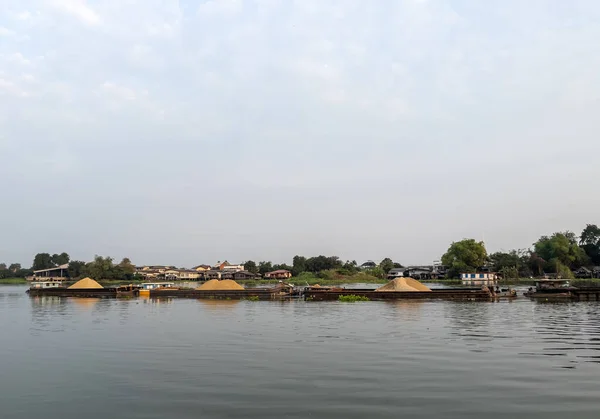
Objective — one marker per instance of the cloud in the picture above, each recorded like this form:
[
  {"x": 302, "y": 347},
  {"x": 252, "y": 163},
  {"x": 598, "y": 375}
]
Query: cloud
[
  {"x": 19, "y": 59},
  {"x": 6, "y": 32},
  {"x": 78, "y": 9},
  {"x": 11, "y": 88},
  {"x": 119, "y": 92}
]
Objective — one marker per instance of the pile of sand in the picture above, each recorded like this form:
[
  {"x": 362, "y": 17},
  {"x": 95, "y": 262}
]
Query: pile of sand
[
  {"x": 208, "y": 285},
  {"x": 404, "y": 284},
  {"x": 85, "y": 283},
  {"x": 216, "y": 285}
]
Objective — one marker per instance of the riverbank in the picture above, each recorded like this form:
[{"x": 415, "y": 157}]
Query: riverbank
[{"x": 13, "y": 281}]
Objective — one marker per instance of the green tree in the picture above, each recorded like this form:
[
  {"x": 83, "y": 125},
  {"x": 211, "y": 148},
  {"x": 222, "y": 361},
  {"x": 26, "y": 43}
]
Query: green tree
[
  {"x": 60, "y": 259},
  {"x": 590, "y": 243},
  {"x": 124, "y": 271},
  {"x": 264, "y": 267},
  {"x": 76, "y": 268},
  {"x": 561, "y": 247},
  {"x": 282, "y": 266},
  {"x": 463, "y": 256},
  {"x": 100, "y": 268},
  {"x": 298, "y": 265},
  {"x": 14, "y": 268},
  {"x": 3, "y": 267},
  {"x": 386, "y": 265},
  {"x": 42, "y": 261},
  {"x": 250, "y": 266}
]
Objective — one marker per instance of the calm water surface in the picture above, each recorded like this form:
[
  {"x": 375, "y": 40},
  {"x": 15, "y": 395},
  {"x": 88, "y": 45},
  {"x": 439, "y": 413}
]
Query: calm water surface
[{"x": 73, "y": 359}]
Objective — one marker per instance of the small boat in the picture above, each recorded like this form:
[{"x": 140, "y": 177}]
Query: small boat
[
  {"x": 146, "y": 287},
  {"x": 551, "y": 289}
]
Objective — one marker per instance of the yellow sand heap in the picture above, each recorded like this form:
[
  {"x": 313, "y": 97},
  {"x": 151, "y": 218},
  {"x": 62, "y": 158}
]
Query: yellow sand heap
[
  {"x": 404, "y": 284},
  {"x": 208, "y": 285},
  {"x": 85, "y": 283},
  {"x": 216, "y": 285}
]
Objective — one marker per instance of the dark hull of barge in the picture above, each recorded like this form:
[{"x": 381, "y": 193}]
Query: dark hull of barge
[
  {"x": 82, "y": 293},
  {"x": 250, "y": 293},
  {"x": 461, "y": 294},
  {"x": 566, "y": 294}
]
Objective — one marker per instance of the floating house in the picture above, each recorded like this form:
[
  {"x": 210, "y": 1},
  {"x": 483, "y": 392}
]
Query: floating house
[{"x": 479, "y": 279}]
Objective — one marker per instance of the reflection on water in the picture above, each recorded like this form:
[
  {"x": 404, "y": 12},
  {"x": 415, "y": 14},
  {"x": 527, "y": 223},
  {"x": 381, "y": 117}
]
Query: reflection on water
[
  {"x": 219, "y": 305},
  {"x": 186, "y": 358}
]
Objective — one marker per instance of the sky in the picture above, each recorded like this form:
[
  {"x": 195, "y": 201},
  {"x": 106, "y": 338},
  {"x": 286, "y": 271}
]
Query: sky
[{"x": 187, "y": 132}]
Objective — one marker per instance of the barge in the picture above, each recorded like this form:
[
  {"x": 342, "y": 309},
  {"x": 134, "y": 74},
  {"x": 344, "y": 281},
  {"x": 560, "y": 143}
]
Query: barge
[
  {"x": 462, "y": 294},
  {"x": 86, "y": 288},
  {"x": 561, "y": 290},
  {"x": 280, "y": 291}
]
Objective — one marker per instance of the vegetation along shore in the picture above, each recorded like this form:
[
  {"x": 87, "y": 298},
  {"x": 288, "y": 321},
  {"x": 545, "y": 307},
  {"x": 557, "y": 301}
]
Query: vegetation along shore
[{"x": 562, "y": 254}]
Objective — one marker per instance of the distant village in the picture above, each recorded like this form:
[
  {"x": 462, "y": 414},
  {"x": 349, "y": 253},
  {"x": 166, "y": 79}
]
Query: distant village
[
  {"x": 222, "y": 270},
  {"x": 238, "y": 272}
]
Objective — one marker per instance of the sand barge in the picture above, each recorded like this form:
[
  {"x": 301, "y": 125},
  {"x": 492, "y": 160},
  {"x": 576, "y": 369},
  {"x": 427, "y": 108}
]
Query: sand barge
[
  {"x": 404, "y": 284},
  {"x": 85, "y": 284},
  {"x": 224, "y": 285}
]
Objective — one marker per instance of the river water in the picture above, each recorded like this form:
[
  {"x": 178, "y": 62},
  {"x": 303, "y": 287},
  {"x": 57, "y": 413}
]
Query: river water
[{"x": 139, "y": 358}]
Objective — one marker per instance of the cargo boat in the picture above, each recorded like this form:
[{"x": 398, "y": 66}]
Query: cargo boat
[
  {"x": 463, "y": 294},
  {"x": 561, "y": 290},
  {"x": 58, "y": 289},
  {"x": 280, "y": 291}
]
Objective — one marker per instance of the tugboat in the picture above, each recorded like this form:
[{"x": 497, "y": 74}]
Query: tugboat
[{"x": 551, "y": 289}]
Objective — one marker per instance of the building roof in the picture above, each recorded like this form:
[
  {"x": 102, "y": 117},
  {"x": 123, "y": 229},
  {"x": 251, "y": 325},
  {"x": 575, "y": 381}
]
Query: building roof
[
  {"x": 280, "y": 271},
  {"x": 65, "y": 266}
]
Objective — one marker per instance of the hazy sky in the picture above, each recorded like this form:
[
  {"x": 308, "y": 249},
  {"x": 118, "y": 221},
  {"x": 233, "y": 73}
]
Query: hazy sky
[{"x": 186, "y": 132}]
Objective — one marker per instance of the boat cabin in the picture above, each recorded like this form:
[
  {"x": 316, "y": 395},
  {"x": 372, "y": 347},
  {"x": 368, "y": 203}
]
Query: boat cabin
[
  {"x": 46, "y": 284},
  {"x": 551, "y": 284},
  {"x": 157, "y": 285},
  {"x": 479, "y": 279}
]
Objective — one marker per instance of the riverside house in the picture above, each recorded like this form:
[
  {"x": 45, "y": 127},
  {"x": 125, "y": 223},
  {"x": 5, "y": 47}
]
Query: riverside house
[
  {"x": 479, "y": 279},
  {"x": 278, "y": 274}
]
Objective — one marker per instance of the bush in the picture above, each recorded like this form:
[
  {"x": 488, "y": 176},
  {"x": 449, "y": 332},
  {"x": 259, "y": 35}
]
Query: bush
[{"x": 352, "y": 298}]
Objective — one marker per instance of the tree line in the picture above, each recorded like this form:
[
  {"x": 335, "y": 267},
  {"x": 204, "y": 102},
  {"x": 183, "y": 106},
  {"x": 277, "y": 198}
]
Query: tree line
[
  {"x": 100, "y": 268},
  {"x": 560, "y": 253},
  {"x": 317, "y": 264}
]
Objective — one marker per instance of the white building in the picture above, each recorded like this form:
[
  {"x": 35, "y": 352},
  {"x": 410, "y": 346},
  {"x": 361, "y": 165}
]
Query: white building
[{"x": 479, "y": 279}]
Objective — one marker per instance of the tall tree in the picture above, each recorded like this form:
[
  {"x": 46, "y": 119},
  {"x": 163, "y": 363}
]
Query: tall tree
[
  {"x": 76, "y": 268},
  {"x": 42, "y": 261},
  {"x": 250, "y": 266},
  {"x": 463, "y": 256},
  {"x": 3, "y": 267},
  {"x": 15, "y": 267},
  {"x": 386, "y": 265},
  {"x": 298, "y": 265},
  {"x": 100, "y": 268},
  {"x": 590, "y": 242},
  {"x": 61, "y": 259},
  {"x": 560, "y": 248}
]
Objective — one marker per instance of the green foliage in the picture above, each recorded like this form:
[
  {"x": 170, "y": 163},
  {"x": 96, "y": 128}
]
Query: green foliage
[
  {"x": 42, "y": 261},
  {"x": 253, "y": 298},
  {"x": 560, "y": 247},
  {"x": 386, "y": 265},
  {"x": 514, "y": 263},
  {"x": 463, "y": 256},
  {"x": 76, "y": 268},
  {"x": 103, "y": 268},
  {"x": 376, "y": 272},
  {"x": 590, "y": 243},
  {"x": 352, "y": 298},
  {"x": 298, "y": 265},
  {"x": 61, "y": 259},
  {"x": 250, "y": 266},
  {"x": 264, "y": 267}
]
